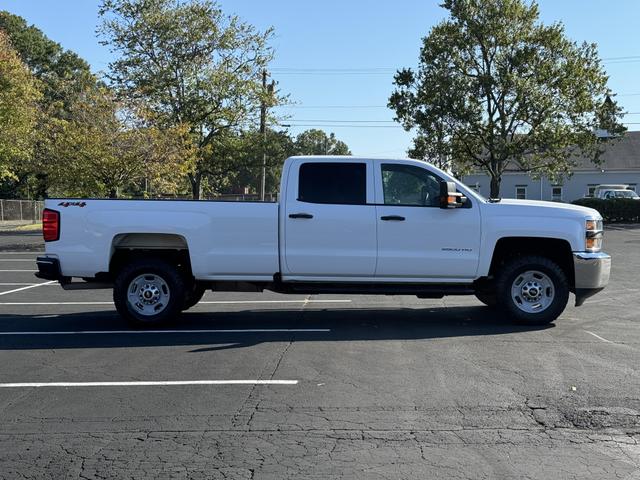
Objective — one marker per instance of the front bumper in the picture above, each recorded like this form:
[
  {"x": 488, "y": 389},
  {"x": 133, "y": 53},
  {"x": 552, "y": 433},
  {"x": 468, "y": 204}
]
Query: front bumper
[{"x": 591, "y": 274}]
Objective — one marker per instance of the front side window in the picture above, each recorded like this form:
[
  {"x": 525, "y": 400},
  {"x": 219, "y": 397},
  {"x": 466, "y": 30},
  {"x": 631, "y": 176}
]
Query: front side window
[
  {"x": 337, "y": 183},
  {"x": 410, "y": 185}
]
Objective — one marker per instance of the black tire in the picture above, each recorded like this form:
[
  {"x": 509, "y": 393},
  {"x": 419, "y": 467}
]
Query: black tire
[
  {"x": 193, "y": 295},
  {"x": 557, "y": 292},
  {"x": 489, "y": 299},
  {"x": 155, "y": 268}
]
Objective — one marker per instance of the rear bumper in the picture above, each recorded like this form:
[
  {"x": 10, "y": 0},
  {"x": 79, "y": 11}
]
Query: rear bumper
[
  {"x": 591, "y": 274},
  {"x": 49, "y": 269}
]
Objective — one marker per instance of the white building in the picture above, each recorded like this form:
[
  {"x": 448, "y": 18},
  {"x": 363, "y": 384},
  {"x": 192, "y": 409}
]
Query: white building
[{"x": 620, "y": 165}]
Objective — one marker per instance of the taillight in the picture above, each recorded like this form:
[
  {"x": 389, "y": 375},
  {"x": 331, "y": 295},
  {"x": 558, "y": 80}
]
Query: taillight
[{"x": 50, "y": 225}]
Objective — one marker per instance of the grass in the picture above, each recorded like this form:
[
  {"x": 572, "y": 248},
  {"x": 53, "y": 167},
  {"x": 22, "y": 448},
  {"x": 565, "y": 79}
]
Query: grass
[{"x": 32, "y": 227}]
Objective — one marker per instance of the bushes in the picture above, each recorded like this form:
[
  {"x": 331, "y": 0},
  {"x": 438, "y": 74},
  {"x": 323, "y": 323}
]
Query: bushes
[{"x": 623, "y": 210}]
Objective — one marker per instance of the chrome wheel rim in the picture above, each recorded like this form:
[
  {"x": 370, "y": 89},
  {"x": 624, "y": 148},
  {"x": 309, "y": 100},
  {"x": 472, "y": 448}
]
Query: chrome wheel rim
[
  {"x": 532, "y": 291},
  {"x": 148, "y": 294}
]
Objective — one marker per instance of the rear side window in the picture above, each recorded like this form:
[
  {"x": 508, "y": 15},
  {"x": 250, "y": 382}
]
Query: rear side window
[{"x": 344, "y": 183}]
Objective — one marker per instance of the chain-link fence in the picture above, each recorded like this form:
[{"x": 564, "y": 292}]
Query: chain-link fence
[
  {"x": 228, "y": 197},
  {"x": 21, "y": 210},
  {"x": 245, "y": 197}
]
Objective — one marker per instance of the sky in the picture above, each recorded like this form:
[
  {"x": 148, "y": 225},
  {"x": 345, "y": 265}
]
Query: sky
[{"x": 336, "y": 59}]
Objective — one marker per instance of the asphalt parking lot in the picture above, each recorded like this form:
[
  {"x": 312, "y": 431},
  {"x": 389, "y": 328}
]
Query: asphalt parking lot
[{"x": 264, "y": 386}]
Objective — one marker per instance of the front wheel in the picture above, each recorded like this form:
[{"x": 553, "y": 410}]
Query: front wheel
[
  {"x": 149, "y": 292},
  {"x": 533, "y": 290}
]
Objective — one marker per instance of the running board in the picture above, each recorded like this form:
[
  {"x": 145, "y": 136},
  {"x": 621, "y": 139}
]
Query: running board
[
  {"x": 85, "y": 285},
  {"x": 420, "y": 290}
]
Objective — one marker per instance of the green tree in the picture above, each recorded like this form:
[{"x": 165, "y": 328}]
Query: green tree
[
  {"x": 317, "y": 142},
  {"x": 18, "y": 110},
  {"x": 239, "y": 157},
  {"x": 192, "y": 65},
  {"x": 495, "y": 88},
  {"x": 62, "y": 76},
  {"x": 107, "y": 149},
  {"x": 243, "y": 158},
  {"x": 61, "y": 72}
]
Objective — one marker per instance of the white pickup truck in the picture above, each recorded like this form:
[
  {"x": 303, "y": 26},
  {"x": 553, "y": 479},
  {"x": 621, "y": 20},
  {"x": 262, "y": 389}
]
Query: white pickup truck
[{"x": 343, "y": 225}]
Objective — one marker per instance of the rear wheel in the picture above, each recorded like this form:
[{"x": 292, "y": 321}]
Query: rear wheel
[
  {"x": 193, "y": 295},
  {"x": 533, "y": 290},
  {"x": 149, "y": 292},
  {"x": 489, "y": 299}
]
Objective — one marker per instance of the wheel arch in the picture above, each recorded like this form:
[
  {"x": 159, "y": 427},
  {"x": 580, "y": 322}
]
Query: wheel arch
[
  {"x": 555, "y": 249},
  {"x": 126, "y": 247}
]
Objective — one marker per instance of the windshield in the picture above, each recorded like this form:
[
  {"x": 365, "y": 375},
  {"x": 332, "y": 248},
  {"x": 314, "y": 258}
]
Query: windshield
[{"x": 621, "y": 194}]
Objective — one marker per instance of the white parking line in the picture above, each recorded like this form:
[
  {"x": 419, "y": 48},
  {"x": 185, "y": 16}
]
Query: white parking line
[
  {"x": 132, "y": 332},
  {"x": 26, "y": 288},
  {"x": 599, "y": 337},
  {"x": 221, "y": 302},
  {"x": 147, "y": 384},
  {"x": 21, "y": 253},
  {"x": 305, "y": 301}
]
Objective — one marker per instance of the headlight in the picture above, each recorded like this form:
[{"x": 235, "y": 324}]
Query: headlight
[
  {"x": 593, "y": 235},
  {"x": 594, "y": 225}
]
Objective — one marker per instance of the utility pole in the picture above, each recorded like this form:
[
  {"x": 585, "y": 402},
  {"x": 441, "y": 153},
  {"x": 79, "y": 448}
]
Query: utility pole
[{"x": 267, "y": 89}]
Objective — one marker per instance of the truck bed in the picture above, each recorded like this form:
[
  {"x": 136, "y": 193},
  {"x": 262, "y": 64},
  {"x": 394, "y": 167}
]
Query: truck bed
[{"x": 224, "y": 239}]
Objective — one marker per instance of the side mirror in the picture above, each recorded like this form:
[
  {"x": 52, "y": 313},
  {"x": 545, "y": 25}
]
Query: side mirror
[{"x": 450, "y": 197}]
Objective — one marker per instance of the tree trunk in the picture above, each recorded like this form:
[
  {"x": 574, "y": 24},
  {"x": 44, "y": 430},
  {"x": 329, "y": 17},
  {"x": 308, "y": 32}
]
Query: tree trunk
[
  {"x": 113, "y": 192},
  {"x": 41, "y": 185},
  {"x": 495, "y": 186},
  {"x": 196, "y": 183}
]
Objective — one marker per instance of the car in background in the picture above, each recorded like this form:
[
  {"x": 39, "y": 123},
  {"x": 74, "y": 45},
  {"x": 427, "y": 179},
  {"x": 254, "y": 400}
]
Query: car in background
[{"x": 607, "y": 192}]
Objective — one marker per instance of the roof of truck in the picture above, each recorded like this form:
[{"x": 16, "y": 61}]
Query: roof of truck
[{"x": 349, "y": 158}]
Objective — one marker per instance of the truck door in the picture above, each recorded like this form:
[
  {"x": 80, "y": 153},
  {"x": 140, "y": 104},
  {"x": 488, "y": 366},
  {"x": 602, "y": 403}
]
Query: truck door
[
  {"x": 329, "y": 222},
  {"x": 416, "y": 238}
]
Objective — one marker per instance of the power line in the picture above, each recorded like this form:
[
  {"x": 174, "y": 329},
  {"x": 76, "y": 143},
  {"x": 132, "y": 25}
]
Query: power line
[
  {"x": 621, "y": 58},
  {"x": 333, "y": 125},
  {"x": 342, "y": 121},
  {"x": 385, "y": 106},
  {"x": 616, "y": 60},
  {"x": 332, "y": 106},
  {"x": 339, "y": 69},
  {"x": 393, "y": 69},
  {"x": 334, "y": 70},
  {"x": 338, "y": 125}
]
